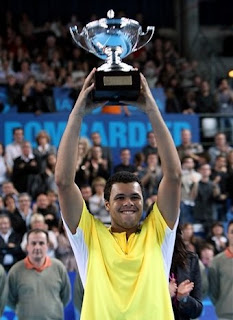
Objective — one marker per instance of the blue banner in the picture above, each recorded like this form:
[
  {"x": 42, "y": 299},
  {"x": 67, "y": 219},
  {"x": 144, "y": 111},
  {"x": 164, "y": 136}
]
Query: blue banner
[{"x": 117, "y": 131}]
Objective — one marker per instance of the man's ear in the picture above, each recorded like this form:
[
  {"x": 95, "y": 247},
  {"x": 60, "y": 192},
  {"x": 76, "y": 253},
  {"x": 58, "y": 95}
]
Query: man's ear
[{"x": 106, "y": 205}]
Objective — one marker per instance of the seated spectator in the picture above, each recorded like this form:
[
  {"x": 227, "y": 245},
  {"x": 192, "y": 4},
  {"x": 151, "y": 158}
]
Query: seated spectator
[
  {"x": 14, "y": 149},
  {"x": 38, "y": 222},
  {"x": 49, "y": 211},
  {"x": 10, "y": 250}
]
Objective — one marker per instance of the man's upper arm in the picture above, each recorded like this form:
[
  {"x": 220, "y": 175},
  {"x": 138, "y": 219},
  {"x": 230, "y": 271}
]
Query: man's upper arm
[
  {"x": 71, "y": 203},
  {"x": 169, "y": 200}
]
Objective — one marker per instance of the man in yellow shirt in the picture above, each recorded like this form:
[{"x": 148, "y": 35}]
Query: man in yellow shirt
[{"x": 124, "y": 269}]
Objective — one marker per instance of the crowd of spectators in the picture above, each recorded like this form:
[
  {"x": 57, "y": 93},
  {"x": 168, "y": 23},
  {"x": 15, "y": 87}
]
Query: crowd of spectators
[{"x": 34, "y": 60}]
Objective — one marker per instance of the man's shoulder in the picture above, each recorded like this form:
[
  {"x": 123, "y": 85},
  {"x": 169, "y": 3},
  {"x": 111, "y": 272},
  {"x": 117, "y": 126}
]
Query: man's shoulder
[
  {"x": 57, "y": 263},
  {"x": 16, "y": 267}
]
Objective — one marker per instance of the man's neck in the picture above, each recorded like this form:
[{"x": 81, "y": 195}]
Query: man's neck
[{"x": 37, "y": 263}]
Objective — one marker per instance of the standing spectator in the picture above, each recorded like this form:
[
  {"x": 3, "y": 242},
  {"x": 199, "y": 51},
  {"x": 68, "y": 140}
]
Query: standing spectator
[
  {"x": 25, "y": 168},
  {"x": 43, "y": 147},
  {"x": 206, "y": 101},
  {"x": 45, "y": 278},
  {"x": 125, "y": 164},
  {"x": 220, "y": 147},
  {"x": 94, "y": 166},
  {"x": 207, "y": 192},
  {"x": 3, "y": 289},
  {"x": 10, "y": 250},
  {"x": 185, "y": 282},
  {"x": 151, "y": 146},
  {"x": 106, "y": 151},
  {"x": 150, "y": 177},
  {"x": 189, "y": 183},
  {"x": 219, "y": 175},
  {"x": 187, "y": 147},
  {"x": 221, "y": 279},
  {"x": 14, "y": 149}
]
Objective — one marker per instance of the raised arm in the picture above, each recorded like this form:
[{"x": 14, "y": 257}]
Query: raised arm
[
  {"x": 69, "y": 195},
  {"x": 169, "y": 189}
]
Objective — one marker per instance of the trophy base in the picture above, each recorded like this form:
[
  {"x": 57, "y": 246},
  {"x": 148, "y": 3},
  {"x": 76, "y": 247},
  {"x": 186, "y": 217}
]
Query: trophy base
[{"x": 116, "y": 85}]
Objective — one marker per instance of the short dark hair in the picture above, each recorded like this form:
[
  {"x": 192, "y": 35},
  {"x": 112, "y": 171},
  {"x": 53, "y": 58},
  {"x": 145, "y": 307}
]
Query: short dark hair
[
  {"x": 120, "y": 177},
  {"x": 37, "y": 230}
]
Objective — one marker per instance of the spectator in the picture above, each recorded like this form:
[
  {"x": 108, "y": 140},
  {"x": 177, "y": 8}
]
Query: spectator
[
  {"x": 43, "y": 147},
  {"x": 25, "y": 208},
  {"x": 106, "y": 151},
  {"x": 64, "y": 251},
  {"x": 206, "y": 101},
  {"x": 38, "y": 222},
  {"x": 96, "y": 201},
  {"x": 217, "y": 237},
  {"x": 45, "y": 278},
  {"x": 187, "y": 147},
  {"x": 48, "y": 210},
  {"x": 151, "y": 146},
  {"x": 151, "y": 176},
  {"x": 189, "y": 184},
  {"x": 17, "y": 222},
  {"x": 219, "y": 176},
  {"x": 191, "y": 241},
  {"x": 10, "y": 250},
  {"x": 125, "y": 165},
  {"x": 25, "y": 168},
  {"x": 14, "y": 150},
  {"x": 206, "y": 254},
  {"x": 185, "y": 282},
  {"x": 221, "y": 280},
  {"x": 207, "y": 192},
  {"x": 220, "y": 147}
]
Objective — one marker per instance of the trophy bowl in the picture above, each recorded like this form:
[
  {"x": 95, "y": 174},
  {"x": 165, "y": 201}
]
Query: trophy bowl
[{"x": 112, "y": 39}]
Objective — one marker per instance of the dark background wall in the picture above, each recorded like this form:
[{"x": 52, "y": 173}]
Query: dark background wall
[{"x": 156, "y": 12}]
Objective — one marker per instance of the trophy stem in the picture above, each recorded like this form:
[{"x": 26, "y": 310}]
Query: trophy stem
[{"x": 113, "y": 61}]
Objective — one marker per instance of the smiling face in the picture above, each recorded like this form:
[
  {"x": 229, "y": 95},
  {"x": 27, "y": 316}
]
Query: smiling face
[{"x": 125, "y": 207}]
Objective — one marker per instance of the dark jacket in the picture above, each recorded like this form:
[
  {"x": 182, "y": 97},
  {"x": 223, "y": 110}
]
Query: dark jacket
[{"x": 192, "y": 308}]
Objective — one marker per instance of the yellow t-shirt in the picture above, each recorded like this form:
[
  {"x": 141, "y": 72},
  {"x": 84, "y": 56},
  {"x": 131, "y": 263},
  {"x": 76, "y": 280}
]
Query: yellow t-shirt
[{"x": 124, "y": 280}]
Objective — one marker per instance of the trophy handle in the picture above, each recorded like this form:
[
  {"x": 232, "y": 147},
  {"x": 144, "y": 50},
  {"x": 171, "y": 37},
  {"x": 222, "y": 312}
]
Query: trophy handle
[
  {"x": 79, "y": 39},
  {"x": 144, "y": 38}
]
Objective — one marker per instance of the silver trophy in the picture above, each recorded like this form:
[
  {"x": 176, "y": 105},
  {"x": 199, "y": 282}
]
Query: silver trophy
[{"x": 113, "y": 39}]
